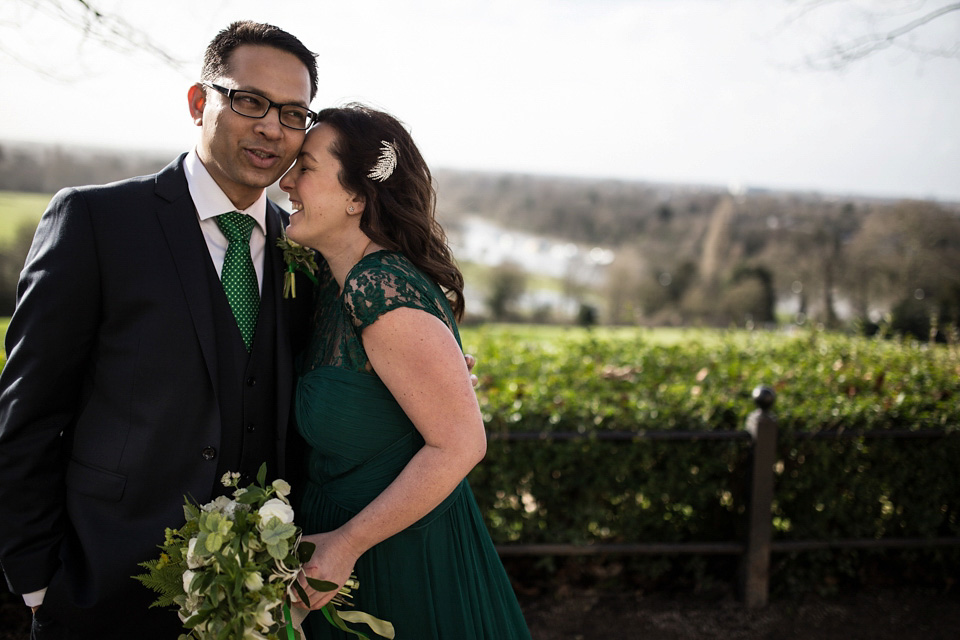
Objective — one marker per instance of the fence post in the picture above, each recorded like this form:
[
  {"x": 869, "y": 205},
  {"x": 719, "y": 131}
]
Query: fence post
[{"x": 762, "y": 426}]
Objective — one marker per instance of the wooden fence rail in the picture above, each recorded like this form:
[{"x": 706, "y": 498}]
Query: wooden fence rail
[{"x": 758, "y": 545}]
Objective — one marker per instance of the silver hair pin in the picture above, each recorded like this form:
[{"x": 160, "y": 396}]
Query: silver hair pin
[{"x": 386, "y": 163}]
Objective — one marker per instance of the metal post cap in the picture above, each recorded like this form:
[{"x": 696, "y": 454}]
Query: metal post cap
[{"x": 764, "y": 397}]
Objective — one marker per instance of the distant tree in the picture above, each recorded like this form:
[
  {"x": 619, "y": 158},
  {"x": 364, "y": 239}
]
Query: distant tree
[
  {"x": 21, "y": 170},
  {"x": 507, "y": 283},
  {"x": 624, "y": 284},
  {"x": 586, "y": 315},
  {"x": 13, "y": 255},
  {"x": 913, "y": 250},
  {"x": 670, "y": 291},
  {"x": 813, "y": 253},
  {"x": 761, "y": 302}
]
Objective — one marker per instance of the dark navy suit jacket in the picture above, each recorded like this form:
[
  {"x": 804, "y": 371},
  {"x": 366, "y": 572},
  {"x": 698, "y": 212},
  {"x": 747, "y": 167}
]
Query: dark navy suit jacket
[{"x": 107, "y": 399}]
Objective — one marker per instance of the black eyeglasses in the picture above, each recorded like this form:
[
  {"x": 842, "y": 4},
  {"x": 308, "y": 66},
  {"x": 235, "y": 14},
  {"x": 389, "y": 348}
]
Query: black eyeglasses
[{"x": 254, "y": 105}]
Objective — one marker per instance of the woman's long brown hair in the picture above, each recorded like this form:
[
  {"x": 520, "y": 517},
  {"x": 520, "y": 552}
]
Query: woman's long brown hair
[{"x": 399, "y": 212}]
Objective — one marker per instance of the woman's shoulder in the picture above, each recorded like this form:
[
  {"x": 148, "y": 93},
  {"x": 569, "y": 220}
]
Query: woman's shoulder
[
  {"x": 384, "y": 268},
  {"x": 382, "y": 281}
]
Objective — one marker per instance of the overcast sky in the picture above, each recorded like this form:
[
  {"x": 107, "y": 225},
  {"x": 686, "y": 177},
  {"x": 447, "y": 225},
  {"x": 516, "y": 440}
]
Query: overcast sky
[{"x": 691, "y": 91}]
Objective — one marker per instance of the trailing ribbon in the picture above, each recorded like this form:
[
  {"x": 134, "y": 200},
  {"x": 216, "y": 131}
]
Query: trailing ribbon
[
  {"x": 290, "y": 282},
  {"x": 289, "y": 619},
  {"x": 298, "y": 258}
]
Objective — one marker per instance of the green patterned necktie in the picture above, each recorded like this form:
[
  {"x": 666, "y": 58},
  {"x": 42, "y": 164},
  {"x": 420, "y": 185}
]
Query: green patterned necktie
[{"x": 238, "y": 276}]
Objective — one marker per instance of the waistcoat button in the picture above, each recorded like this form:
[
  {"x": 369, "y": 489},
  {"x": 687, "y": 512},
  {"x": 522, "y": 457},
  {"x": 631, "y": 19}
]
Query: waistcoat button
[{"x": 208, "y": 453}]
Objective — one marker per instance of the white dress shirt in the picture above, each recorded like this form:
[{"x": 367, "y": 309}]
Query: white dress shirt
[{"x": 211, "y": 201}]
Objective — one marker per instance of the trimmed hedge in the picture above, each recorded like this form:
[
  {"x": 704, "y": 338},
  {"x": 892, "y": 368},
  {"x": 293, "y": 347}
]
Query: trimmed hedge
[
  {"x": 549, "y": 379},
  {"x": 590, "y": 491}
]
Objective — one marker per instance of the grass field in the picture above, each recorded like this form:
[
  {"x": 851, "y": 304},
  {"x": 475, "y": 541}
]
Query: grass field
[{"x": 17, "y": 209}]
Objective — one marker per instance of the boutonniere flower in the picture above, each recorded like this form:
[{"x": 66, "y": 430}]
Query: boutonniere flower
[{"x": 298, "y": 258}]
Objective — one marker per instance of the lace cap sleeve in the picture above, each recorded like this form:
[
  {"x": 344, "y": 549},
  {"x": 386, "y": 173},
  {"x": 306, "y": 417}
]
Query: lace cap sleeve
[{"x": 389, "y": 283}]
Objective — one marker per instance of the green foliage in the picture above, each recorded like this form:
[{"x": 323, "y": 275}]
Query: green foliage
[
  {"x": 19, "y": 209},
  {"x": 19, "y": 215},
  {"x": 590, "y": 491},
  {"x": 164, "y": 578}
]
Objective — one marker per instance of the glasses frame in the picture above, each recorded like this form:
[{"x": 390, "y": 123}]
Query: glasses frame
[{"x": 230, "y": 93}]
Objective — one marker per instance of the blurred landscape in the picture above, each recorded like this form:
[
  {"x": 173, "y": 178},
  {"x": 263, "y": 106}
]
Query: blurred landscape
[
  {"x": 691, "y": 291},
  {"x": 590, "y": 251},
  {"x": 575, "y": 251}
]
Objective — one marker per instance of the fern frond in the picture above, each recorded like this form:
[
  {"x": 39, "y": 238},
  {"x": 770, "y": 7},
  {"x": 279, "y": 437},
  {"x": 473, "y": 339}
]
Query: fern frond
[{"x": 166, "y": 580}]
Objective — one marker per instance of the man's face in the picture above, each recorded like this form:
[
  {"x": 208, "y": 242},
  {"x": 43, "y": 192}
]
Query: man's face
[{"x": 245, "y": 155}]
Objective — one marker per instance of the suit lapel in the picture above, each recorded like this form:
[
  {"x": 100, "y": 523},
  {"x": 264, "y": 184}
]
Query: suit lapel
[
  {"x": 178, "y": 219},
  {"x": 284, "y": 366}
]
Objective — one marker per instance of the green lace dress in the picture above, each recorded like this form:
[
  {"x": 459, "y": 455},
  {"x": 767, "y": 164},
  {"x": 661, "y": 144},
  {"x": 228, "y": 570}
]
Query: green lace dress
[{"x": 441, "y": 577}]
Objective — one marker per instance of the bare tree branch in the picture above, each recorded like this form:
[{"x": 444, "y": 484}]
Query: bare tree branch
[
  {"x": 94, "y": 26},
  {"x": 847, "y": 52}
]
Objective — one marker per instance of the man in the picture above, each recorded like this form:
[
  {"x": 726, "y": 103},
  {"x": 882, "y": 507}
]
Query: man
[{"x": 134, "y": 376}]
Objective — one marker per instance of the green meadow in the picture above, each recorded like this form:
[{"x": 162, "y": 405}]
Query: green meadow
[{"x": 17, "y": 209}]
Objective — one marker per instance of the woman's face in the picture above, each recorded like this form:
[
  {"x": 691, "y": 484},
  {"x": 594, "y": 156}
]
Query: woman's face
[{"x": 321, "y": 206}]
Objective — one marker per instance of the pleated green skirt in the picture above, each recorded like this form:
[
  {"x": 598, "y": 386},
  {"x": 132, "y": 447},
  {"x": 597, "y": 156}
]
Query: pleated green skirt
[{"x": 441, "y": 577}]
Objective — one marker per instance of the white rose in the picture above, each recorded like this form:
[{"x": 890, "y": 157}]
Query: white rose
[
  {"x": 187, "y": 579},
  {"x": 275, "y": 508},
  {"x": 193, "y": 560}
]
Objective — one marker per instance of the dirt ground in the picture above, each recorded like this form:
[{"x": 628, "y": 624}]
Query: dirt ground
[
  {"x": 587, "y": 614},
  {"x": 885, "y": 615}
]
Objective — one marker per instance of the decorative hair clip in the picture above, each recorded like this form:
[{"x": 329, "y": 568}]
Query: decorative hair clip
[{"x": 386, "y": 163}]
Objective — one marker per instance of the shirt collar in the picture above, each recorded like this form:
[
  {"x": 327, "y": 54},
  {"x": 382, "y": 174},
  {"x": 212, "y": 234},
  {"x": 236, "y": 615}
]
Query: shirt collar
[{"x": 210, "y": 199}]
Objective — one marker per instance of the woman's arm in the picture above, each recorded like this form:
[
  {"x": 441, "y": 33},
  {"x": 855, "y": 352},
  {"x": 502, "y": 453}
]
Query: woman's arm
[{"x": 420, "y": 362}]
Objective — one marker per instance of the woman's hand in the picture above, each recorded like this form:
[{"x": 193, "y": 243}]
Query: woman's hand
[
  {"x": 471, "y": 363},
  {"x": 332, "y": 561}
]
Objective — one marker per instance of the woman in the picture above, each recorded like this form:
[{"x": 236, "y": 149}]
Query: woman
[{"x": 384, "y": 398}]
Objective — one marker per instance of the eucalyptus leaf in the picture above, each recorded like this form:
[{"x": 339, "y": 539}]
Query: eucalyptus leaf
[
  {"x": 333, "y": 616},
  {"x": 301, "y": 593},
  {"x": 380, "y": 627},
  {"x": 305, "y": 551},
  {"x": 213, "y": 541},
  {"x": 321, "y": 585}
]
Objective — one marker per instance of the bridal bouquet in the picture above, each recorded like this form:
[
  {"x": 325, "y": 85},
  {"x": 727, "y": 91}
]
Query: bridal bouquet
[{"x": 231, "y": 569}]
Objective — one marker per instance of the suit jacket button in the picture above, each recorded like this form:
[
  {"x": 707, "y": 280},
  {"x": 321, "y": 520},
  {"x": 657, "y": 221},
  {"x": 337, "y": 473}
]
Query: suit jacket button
[
  {"x": 251, "y": 381},
  {"x": 209, "y": 453}
]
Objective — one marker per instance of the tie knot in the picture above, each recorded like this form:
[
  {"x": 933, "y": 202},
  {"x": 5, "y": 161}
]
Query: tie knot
[{"x": 236, "y": 226}]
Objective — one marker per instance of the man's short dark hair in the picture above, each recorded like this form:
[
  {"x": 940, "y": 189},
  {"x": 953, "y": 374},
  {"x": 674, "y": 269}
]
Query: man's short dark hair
[{"x": 216, "y": 59}]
